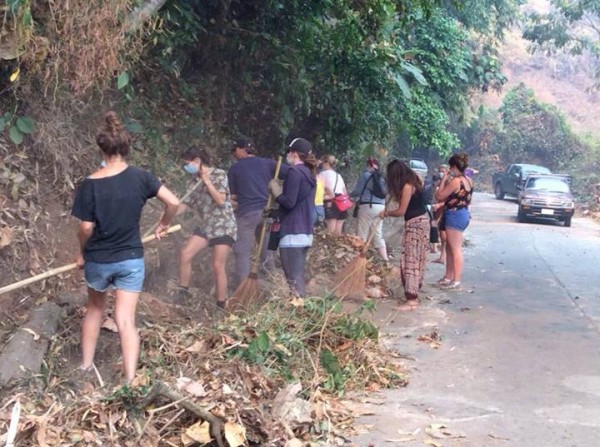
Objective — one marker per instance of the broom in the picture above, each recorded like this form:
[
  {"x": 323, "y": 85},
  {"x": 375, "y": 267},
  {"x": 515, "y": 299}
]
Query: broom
[
  {"x": 247, "y": 292},
  {"x": 351, "y": 280},
  {"x": 66, "y": 268}
]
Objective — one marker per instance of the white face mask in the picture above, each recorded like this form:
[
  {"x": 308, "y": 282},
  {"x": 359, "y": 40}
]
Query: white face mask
[{"x": 289, "y": 159}]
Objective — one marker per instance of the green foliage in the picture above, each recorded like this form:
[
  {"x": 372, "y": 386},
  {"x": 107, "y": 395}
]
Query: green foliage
[
  {"x": 571, "y": 26},
  {"x": 279, "y": 343},
  {"x": 25, "y": 124},
  {"x": 528, "y": 131},
  {"x": 347, "y": 75},
  {"x": 129, "y": 397},
  {"x": 489, "y": 18},
  {"x": 18, "y": 127},
  {"x": 123, "y": 80}
]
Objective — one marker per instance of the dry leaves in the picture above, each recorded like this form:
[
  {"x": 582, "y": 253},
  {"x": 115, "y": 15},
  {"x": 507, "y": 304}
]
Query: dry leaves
[
  {"x": 441, "y": 431},
  {"x": 199, "y": 432},
  {"x": 191, "y": 386},
  {"x": 434, "y": 339},
  {"x": 235, "y": 434},
  {"x": 110, "y": 325},
  {"x": 6, "y": 235}
]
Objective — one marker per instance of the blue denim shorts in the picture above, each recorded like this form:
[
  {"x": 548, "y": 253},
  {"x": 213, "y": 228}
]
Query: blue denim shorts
[
  {"x": 457, "y": 219},
  {"x": 125, "y": 275}
]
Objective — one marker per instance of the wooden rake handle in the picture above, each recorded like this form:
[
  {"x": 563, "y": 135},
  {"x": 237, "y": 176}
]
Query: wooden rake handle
[
  {"x": 185, "y": 196},
  {"x": 263, "y": 229},
  {"x": 66, "y": 268}
]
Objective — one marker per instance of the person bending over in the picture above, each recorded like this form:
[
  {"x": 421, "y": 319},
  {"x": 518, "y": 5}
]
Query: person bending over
[{"x": 109, "y": 205}]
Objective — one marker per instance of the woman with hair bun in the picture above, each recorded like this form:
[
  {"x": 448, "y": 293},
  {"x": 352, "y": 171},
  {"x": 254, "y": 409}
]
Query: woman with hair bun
[
  {"x": 109, "y": 205},
  {"x": 456, "y": 193}
]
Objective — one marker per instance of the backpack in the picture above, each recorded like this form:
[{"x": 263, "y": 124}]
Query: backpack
[{"x": 378, "y": 188}]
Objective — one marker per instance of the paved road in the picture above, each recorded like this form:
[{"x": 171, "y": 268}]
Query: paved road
[{"x": 519, "y": 362}]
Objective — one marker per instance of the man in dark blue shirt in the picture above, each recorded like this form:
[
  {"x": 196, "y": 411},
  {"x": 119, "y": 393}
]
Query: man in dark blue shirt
[{"x": 248, "y": 182}]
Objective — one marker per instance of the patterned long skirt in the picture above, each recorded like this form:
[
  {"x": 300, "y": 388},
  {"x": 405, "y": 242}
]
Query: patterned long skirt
[{"x": 415, "y": 244}]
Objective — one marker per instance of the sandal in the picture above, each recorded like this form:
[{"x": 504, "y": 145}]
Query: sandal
[
  {"x": 444, "y": 282},
  {"x": 451, "y": 285}
]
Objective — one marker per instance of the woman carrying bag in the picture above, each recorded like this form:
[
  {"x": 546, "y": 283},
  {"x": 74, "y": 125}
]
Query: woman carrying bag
[
  {"x": 334, "y": 188},
  {"x": 370, "y": 204}
]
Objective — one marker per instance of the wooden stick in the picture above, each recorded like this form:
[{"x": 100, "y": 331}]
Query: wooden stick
[
  {"x": 160, "y": 389},
  {"x": 263, "y": 228},
  {"x": 14, "y": 424},
  {"x": 185, "y": 196},
  {"x": 66, "y": 268}
]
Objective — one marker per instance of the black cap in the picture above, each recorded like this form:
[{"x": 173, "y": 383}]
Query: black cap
[
  {"x": 301, "y": 146},
  {"x": 242, "y": 142}
]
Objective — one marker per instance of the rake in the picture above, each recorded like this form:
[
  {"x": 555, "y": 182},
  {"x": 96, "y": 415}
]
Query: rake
[{"x": 247, "y": 292}]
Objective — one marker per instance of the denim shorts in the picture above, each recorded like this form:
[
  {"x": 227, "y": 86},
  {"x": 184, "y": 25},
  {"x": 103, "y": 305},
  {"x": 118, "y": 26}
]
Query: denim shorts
[
  {"x": 125, "y": 275},
  {"x": 457, "y": 219}
]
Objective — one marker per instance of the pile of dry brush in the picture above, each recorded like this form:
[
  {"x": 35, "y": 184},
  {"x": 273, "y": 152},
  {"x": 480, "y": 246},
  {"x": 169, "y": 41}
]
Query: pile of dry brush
[{"x": 272, "y": 377}]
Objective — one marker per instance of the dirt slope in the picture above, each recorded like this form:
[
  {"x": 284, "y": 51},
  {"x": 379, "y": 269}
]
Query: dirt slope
[{"x": 558, "y": 79}]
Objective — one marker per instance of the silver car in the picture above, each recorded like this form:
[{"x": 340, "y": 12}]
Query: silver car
[{"x": 418, "y": 166}]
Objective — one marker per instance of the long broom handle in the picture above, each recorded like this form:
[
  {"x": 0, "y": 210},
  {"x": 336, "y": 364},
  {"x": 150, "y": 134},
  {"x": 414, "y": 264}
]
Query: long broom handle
[
  {"x": 263, "y": 229},
  {"x": 372, "y": 231},
  {"x": 66, "y": 268},
  {"x": 185, "y": 196}
]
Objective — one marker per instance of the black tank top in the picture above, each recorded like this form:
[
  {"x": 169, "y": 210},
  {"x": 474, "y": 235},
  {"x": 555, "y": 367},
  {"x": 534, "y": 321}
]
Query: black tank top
[{"x": 416, "y": 206}]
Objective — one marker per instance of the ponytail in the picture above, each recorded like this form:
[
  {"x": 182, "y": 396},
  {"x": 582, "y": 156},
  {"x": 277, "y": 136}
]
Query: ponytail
[{"x": 310, "y": 162}]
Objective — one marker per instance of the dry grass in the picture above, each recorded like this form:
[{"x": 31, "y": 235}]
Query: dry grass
[
  {"x": 559, "y": 79},
  {"x": 85, "y": 42}
]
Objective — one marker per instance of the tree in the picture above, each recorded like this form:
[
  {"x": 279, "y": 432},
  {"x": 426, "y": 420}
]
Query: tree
[
  {"x": 573, "y": 27},
  {"x": 534, "y": 131},
  {"x": 349, "y": 75}
]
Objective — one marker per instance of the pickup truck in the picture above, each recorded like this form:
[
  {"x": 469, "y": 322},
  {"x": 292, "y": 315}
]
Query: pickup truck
[
  {"x": 511, "y": 180},
  {"x": 547, "y": 196}
]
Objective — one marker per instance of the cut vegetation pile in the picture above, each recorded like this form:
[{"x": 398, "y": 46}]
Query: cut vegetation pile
[{"x": 267, "y": 378}]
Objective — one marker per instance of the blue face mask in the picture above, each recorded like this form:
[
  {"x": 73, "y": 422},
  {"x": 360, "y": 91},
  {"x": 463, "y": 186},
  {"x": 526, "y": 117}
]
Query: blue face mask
[{"x": 191, "y": 168}]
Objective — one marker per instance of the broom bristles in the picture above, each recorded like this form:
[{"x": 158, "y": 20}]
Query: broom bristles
[
  {"x": 246, "y": 293},
  {"x": 351, "y": 279}
]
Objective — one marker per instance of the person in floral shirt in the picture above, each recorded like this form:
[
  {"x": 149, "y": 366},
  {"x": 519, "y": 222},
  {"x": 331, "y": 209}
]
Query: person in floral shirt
[{"x": 217, "y": 228}]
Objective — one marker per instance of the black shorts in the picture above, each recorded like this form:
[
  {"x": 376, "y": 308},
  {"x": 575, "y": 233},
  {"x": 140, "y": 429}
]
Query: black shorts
[
  {"x": 219, "y": 240},
  {"x": 331, "y": 212}
]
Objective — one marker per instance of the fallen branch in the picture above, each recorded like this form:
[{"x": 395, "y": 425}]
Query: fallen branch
[{"x": 161, "y": 390}]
